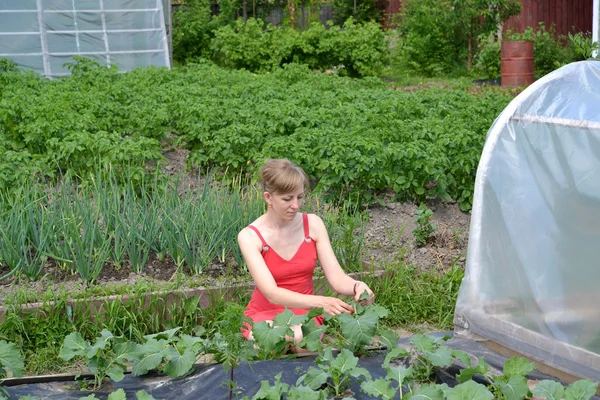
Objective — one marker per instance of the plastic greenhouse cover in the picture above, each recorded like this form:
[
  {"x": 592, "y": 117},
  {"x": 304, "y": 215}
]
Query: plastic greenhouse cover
[
  {"x": 533, "y": 270},
  {"x": 207, "y": 382},
  {"x": 43, "y": 35}
]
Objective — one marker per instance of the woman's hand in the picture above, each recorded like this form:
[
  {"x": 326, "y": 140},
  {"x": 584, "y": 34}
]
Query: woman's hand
[
  {"x": 359, "y": 288},
  {"x": 335, "y": 306}
]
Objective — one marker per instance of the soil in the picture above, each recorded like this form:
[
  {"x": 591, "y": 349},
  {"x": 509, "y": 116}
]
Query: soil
[{"x": 388, "y": 237}]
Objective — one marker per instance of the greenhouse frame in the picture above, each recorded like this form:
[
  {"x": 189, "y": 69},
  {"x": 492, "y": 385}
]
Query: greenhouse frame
[{"x": 44, "y": 35}]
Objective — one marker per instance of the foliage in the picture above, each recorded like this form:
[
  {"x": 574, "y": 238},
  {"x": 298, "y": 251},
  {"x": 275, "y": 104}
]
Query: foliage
[
  {"x": 582, "y": 45},
  {"x": 359, "y": 49},
  {"x": 475, "y": 18},
  {"x": 105, "y": 358},
  {"x": 487, "y": 60},
  {"x": 120, "y": 395},
  {"x": 274, "y": 339},
  {"x": 335, "y": 372},
  {"x": 549, "y": 52},
  {"x": 361, "y": 11},
  {"x": 430, "y": 47},
  {"x": 356, "y": 139},
  {"x": 171, "y": 353},
  {"x": 424, "y": 227},
  {"x": 10, "y": 360},
  {"x": 331, "y": 375},
  {"x": 194, "y": 25}
]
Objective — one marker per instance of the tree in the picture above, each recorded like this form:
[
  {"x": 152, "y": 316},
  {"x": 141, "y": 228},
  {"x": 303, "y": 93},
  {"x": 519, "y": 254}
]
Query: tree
[{"x": 476, "y": 17}]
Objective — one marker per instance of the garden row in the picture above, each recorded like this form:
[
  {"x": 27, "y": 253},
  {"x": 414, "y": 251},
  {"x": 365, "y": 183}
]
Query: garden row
[
  {"x": 174, "y": 354},
  {"x": 83, "y": 229},
  {"x": 355, "y": 139}
]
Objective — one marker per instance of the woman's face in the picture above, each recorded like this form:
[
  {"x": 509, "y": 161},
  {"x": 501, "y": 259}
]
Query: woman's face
[{"x": 286, "y": 205}]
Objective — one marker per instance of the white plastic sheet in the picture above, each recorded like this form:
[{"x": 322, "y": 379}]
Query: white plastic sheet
[
  {"x": 532, "y": 279},
  {"x": 43, "y": 35}
]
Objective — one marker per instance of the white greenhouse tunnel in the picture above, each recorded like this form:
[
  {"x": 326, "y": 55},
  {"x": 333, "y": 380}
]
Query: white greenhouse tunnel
[{"x": 532, "y": 272}]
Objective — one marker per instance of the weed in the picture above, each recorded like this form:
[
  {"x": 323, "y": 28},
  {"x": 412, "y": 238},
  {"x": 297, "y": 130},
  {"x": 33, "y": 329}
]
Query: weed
[{"x": 424, "y": 227}]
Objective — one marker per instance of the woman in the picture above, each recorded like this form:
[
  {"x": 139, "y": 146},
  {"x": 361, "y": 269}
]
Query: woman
[{"x": 281, "y": 248}]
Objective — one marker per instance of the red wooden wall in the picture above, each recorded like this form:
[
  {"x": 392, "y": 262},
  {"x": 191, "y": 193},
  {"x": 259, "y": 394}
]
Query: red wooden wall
[{"x": 567, "y": 15}]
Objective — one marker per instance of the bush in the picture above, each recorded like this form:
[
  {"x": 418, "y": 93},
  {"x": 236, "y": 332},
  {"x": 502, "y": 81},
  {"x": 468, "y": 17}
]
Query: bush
[
  {"x": 487, "y": 61},
  {"x": 360, "y": 49},
  {"x": 366, "y": 10},
  {"x": 430, "y": 46},
  {"x": 194, "y": 26}
]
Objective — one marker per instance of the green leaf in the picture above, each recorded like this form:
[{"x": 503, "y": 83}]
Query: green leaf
[
  {"x": 11, "y": 358},
  {"x": 422, "y": 343},
  {"x": 288, "y": 318},
  {"x": 549, "y": 389},
  {"x": 101, "y": 343},
  {"x": 90, "y": 397},
  {"x": 268, "y": 337},
  {"x": 142, "y": 395},
  {"x": 314, "y": 312},
  {"x": 118, "y": 395},
  {"x": 360, "y": 371},
  {"x": 440, "y": 357},
  {"x": 466, "y": 374},
  {"x": 314, "y": 378},
  {"x": 462, "y": 356},
  {"x": 515, "y": 389},
  {"x": 581, "y": 390},
  {"x": 376, "y": 310},
  {"x": 470, "y": 390},
  {"x": 427, "y": 392},
  {"x": 128, "y": 351},
  {"x": 168, "y": 335},
  {"x": 399, "y": 373},
  {"x": 73, "y": 345},
  {"x": 518, "y": 366},
  {"x": 445, "y": 389},
  {"x": 304, "y": 393},
  {"x": 393, "y": 354},
  {"x": 152, "y": 354},
  {"x": 268, "y": 392},
  {"x": 378, "y": 388},
  {"x": 188, "y": 342},
  {"x": 359, "y": 331},
  {"x": 180, "y": 365},
  {"x": 344, "y": 362},
  {"x": 388, "y": 338},
  {"x": 115, "y": 373},
  {"x": 311, "y": 335}
]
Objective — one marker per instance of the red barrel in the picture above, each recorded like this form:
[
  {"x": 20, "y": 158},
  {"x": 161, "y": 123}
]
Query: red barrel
[{"x": 516, "y": 63}]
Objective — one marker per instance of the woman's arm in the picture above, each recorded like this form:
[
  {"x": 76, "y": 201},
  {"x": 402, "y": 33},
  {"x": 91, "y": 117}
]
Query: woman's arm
[
  {"x": 337, "y": 278},
  {"x": 251, "y": 246}
]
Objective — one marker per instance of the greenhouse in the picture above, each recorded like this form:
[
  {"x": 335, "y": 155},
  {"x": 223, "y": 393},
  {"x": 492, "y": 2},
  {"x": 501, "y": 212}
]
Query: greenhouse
[
  {"x": 532, "y": 265},
  {"x": 44, "y": 35}
]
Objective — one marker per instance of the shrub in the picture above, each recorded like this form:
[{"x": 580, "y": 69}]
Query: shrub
[
  {"x": 366, "y": 10},
  {"x": 360, "y": 49},
  {"x": 430, "y": 47},
  {"x": 194, "y": 26},
  {"x": 488, "y": 57}
]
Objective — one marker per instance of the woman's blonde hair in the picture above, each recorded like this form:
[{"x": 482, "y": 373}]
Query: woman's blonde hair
[{"x": 282, "y": 176}]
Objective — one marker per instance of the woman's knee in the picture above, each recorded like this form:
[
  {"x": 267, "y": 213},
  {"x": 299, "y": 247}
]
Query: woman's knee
[{"x": 297, "y": 329}]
